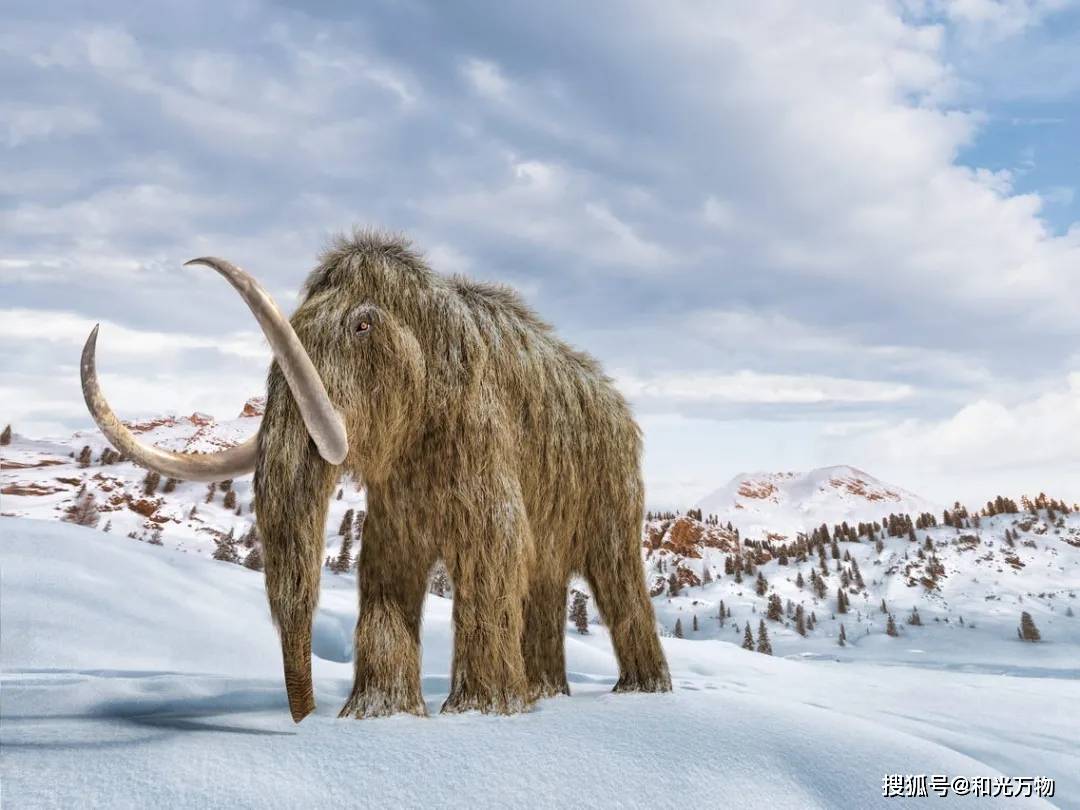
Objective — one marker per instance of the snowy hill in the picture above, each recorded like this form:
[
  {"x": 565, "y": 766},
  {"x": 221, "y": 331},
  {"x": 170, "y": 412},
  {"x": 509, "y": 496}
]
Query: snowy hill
[
  {"x": 786, "y": 502},
  {"x": 43, "y": 478},
  {"x": 969, "y": 586},
  {"x": 138, "y": 676}
]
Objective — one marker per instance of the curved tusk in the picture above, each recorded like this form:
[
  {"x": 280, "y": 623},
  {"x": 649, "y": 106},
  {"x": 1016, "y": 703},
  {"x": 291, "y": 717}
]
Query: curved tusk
[
  {"x": 322, "y": 420},
  {"x": 235, "y": 461}
]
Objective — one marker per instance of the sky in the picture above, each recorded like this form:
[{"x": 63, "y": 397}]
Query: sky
[{"x": 795, "y": 234}]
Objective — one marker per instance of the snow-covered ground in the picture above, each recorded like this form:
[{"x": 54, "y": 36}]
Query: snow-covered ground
[
  {"x": 136, "y": 674},
  {"x": 142, "y": 676}
]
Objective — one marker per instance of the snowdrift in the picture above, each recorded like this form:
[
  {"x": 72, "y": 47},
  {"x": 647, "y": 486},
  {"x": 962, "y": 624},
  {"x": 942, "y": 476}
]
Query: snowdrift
[{"x": 138, "y": 676}]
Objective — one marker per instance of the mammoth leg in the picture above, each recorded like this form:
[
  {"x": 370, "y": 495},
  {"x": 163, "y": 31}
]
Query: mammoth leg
[
  {"x": 615, "y": 574},
  {"x": 543, "y": 641},
  {"x": 392, "y": 577},
  {"x": 489, "y": 547}
]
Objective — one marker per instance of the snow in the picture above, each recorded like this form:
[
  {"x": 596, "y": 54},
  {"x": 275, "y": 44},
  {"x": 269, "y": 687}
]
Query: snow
[
  {"x": 138, "y": 676},
  {"x": 116, "y": 486},
  {"x": 790, "y": 502}
]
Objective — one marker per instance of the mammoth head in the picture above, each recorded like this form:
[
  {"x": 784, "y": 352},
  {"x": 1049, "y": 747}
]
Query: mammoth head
[
  {"x": 353, "y": 373},
  {"x": 369, "y": 358}
]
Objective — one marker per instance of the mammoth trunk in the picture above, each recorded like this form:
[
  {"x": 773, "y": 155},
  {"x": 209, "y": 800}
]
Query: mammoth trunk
[{"x": 292, "y": 489}]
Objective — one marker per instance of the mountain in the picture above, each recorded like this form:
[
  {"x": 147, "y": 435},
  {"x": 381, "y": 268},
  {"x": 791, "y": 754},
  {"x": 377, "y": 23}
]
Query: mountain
[
  {"x": 42, "y": 479},
  {"x": 784, "y": 503}
]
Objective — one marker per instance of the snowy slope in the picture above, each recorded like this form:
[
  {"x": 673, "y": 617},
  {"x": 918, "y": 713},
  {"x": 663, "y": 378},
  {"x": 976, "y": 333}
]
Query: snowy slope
[
  {"x": 41, "y": 479},
  {"x": 137, "y": 676},
  {"x": 787, "y": 502},
  {"x": 969, "y": 617}
]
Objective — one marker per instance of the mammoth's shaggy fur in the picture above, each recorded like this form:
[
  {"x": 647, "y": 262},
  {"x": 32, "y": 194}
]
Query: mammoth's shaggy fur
[{"x": 484, "y": 441}]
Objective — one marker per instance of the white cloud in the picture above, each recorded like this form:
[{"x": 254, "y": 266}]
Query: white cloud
[
  {"x": 747, "y": 387},
  {"x": 486, "y": 78},
  {"x": 25, "y": 123},
  {"x": 71, "y": 330},
  {"x": 719, "y": 213},
  {"x": 776, "y": 186},
  {"x": 143, "y": 372},
  {"x": 991, "y": 20},
  {"x": 1040, "y": 429}
]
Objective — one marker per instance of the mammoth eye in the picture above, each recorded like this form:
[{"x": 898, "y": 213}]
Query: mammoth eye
[{"x": 363, "y": 326}]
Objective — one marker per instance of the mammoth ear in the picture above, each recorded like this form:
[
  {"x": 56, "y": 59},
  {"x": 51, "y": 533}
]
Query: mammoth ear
[{"x": 457, "y": 355}]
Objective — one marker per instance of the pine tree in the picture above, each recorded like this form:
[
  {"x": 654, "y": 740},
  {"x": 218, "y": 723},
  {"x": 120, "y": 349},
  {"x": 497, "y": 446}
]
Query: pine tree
[
  {"x": 695, "y": 625},
  {"x": 763, "y": 644},
  {"x": 230, "y": 499},
  {"x": 579, "y": 613},
  {"x": 915, "y": 619},
  {"x": 5, "y": 437},
  {"x": 722, "y": 613},
  {"x": 346, "y": 523},
  {"x": 674, "y": 588},
  {"x": 748, "y": 639},
  {"x": 170, "y": 485},
  {"x": 678, "y": 628},
  {"x": 440, "y": 580},
  {"x": 800, "y": 620},
  {"x": 211, "y": 488},
  {"x": 344, "y": 559},
  {"x": 225, "y": 550},
  {"x": 150, "y": 482},
  {"x": 84, "y": 456},
  {"x": 108, "y": 526},
  {"x": 841, "y": 601},
  {"x": 775, "y": 610},
  {"x": 253, "y": 559},
  {"x": 883, "y": 608},
  {"x": 819, "y": 587},
  {"x": 706, "y": 575},
  {"x": 856, "y": 575},
  {"x": 842, "y": 640},
  {"x": 760, "y": 585},
  {"x": 799, "y": 581},
  {"x": 84, "y": 511},
  {"x": 1027, "y": 629},
  {"x": 890, "y": 627},
  {"x": 194, "y": 511},
  {"x": 155, "y": 538}
]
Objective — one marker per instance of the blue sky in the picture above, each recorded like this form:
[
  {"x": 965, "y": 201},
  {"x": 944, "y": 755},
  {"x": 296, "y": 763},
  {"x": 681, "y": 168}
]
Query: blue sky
[{"x": 796, "y": 234}]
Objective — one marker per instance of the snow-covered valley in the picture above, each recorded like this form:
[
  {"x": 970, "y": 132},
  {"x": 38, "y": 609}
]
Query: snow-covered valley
[{"x": 136, "y": 674}]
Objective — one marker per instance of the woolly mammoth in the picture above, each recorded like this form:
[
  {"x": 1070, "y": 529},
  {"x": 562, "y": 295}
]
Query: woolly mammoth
[{"x": 482, "y": 439}]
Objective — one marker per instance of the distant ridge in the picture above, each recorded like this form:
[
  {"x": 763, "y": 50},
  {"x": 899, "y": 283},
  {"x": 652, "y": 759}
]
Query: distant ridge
[{"x": 791, "y": 502}]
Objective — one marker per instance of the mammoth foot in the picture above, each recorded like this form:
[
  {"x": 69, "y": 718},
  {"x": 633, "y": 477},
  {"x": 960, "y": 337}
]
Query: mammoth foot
[
  {"x": 369, "y": 702},
  {"x": 498, "y": 701},
  {"x": 657, "y": 682},
  {"x": 548, "y": 687}
]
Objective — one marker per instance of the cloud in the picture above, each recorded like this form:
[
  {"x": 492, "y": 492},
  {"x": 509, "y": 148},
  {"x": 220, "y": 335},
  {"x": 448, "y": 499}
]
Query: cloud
[
  {"x": 486, "y": 78},
  {"x": 1036, "y": 429},
  {"x": 143, "y": 372},
  {"x": 24, "y": 123},
  {"x": 752, "y": 387},
  {"x": 759, "y": 214},
  {"x": 70, "y": 330},
  {"x": 992, "y": 20}
]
